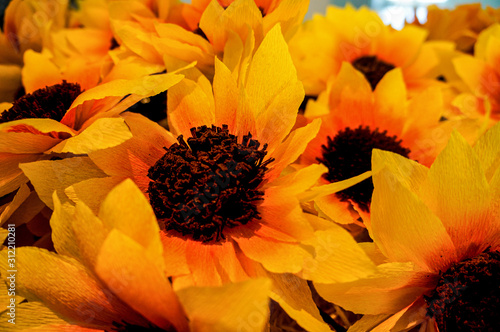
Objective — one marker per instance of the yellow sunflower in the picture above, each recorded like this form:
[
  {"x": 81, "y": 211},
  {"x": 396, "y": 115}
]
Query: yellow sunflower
[
  {"x": 225, "y": 213},
  {"x": 436, "y": 238},
  {"x": 462, "y": 24},
  {"x": 59, "y": 122},
  {"x": 110, "y": 274},
  {"x": 210, "y": 28},
  {"x": 361, "y": 38},
  {"x": 481, "y": 74},
  {"x": 356, "y": 120},
  {"x": 26, "y": 25}
]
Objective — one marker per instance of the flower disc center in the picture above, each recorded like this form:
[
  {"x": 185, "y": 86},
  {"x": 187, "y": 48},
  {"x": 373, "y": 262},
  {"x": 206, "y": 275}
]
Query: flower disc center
[
  {"x": 349, "y": 154},
  {"x": 467, "y": 297},
  {"x": 210, "y": 183},
  {"x": 373, "y": 68},
  {"x": 50, "y": 102}
]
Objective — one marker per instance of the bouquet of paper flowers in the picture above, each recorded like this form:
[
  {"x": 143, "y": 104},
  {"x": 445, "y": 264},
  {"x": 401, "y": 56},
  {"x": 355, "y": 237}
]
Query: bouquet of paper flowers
[{"x": 227, "y": 166}]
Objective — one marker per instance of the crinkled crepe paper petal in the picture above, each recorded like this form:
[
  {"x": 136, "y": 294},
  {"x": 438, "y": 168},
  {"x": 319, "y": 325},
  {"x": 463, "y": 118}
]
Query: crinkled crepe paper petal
[
  {"x": 458, "y": 192},
  {"x": 487, "y": 149},
  {"x": 126, "y": 209},
  {"x": 49, "y": 175},
  {"x": 102, "y": 134},
  {"x": 289, "y": 14},
  {"x": 92, "y": 192},
  {"x": 294, "y": 296},
  {"x": 23, "y": 209},
  {"x": 272, "y": 77},
  {"x": 405, "y": 229},
  {"x": 63, "y": 236},
  {"x": 141, "y": 87},
  {"x": 190, "y": 107},
  {"x": 403, "y": 320},
  {"x": 226, "y": 95},
  {"x": 290, "y": 150},
  {"x": 34, "y": 316},
  {"x": 127, "y": 269},
  {"x": 334, "y": 209},
  {"x": 232, "y": 307},
  {"x": 66, "y": 287},
  {"x": 38, "y": 71},
  {"x": 331, "y": 188},
  {"x": 275, "y": 256},
  {"x": 337, "y": 257},
  {"x": 393, "y": 287},
  {"x": 241, "y": 16},
  {"x": 11, "y": 176}
]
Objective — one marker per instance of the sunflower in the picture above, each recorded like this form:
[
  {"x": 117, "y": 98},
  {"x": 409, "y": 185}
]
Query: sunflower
[
  {"x": 225, "y": 213},
  {"x": 462, "y": 24},
  {"x": 355, "y": 120},
  {"x": 210, "y": 28},
  {"x": 59, "y": 122},
  {"x": 109, "y": 274},
  {"x": 26, "y": 25},
  {"x": 435, "y": 238},
  {"x": 361, "y": 38},
  {"x": 481, "y": 74}
]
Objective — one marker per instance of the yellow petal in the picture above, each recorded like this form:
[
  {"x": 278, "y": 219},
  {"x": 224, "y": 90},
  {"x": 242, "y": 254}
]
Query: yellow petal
[
  {"x": 487, "y": 149},
  {"x": 66, "y": 288},
  {"x": 331, "y": 188},
  {"x": 226, "y": 96},
  {"x": 264, "y": 86},
  {"x": 294, "y": 296},
  {"x": 127, "y": 210},
  {"x": 92, "y": 192},
  {"x": 142, "y": 87},
  {"x": 11, "y": 176},
  {"x": 406, "y": 171},
  {"x": 241, "y": 306},
  {"x": 102, "y": 134},
  {"x": 405, "y": 229},
  {"x": 458, "y": 193},
  {"x": 62, "y": 235},
  {"x": 189, "y": 106},
  {"x": 49, "y": 175},
  {"x": 287, "y": 152},
  {"x": 391, "y": 289},
  {"x": 39, "y": 71},
  {"x": 337, "y": 257},
  {"x": 121, "y": 266},
  {"x": 390, "y": 99}
]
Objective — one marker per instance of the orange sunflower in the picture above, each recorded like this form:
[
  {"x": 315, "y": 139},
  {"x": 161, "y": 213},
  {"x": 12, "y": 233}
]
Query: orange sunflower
[
  {"x": 225, "y": 213},
  {"x": 436, "y": 242},
  {"x": 361, "y": 38},
  {"x": 109, "y": 274},
  {"x": 356, "y": 120},
  {"x": 59, "y": 122},
  {"x": 481, "y": 74}
]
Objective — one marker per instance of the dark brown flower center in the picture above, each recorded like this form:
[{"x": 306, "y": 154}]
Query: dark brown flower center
[
  {"x": 467, "y": 297},
  {"x": 373, "y": 68},
  {"x": 349, "y": 154},
  {"x": 126, "y": 327},
  {"x": 50, "y": 102},
  {"x": 210, "y": 183}
]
